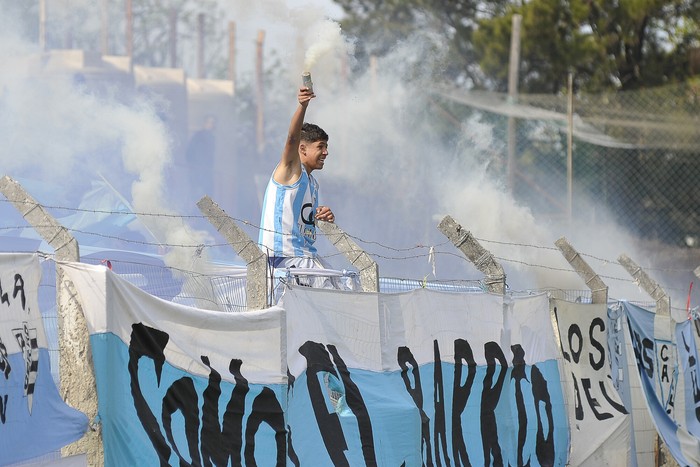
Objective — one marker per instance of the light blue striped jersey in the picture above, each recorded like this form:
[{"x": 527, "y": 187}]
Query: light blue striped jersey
[{"x": 288, "y": 222}]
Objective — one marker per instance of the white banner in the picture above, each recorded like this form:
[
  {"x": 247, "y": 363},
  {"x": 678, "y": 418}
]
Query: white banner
[
  {"x": 601, "y": 430},
  {"x": 423, "y": 377},
  {"x": 113, "y": 305},
  {"x": 374, "y": 379},
  {"x": 179, "y": 385}
]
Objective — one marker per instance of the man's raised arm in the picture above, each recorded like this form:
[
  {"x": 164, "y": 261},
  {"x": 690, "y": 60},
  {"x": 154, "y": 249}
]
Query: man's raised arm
[{"x": 289, "y": 168}]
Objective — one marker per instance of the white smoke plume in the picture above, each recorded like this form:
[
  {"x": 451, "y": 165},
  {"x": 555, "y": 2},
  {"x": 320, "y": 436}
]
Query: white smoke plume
[
  {"x": 392, "y": 179},
  {"x": 325, "y": 38},
  {"x": 55, "y": 130},
  {"x": 300, "y": 33}
]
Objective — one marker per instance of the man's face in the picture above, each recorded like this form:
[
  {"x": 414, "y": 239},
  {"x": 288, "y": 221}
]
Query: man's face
[{"x": 313, "y": 155}]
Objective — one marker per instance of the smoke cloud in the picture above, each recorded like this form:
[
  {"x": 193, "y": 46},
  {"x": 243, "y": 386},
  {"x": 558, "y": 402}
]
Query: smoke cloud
[
  {"x": 327, "y": 38},
  {"x": 55, "y": 130},
  {"x": 392, "y": 175}
]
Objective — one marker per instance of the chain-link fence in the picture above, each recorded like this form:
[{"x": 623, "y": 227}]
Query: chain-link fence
[{"x": 635, "y": 156}]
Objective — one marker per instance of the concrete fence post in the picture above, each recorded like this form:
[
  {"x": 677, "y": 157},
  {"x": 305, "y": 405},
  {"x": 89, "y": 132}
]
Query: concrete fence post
[
  {"x": 247, "y": 249},
  {"x": 663, "y": 308},
  {"x": 77, "y": 383},
  {"x": 663, "y": 301},
  {"x": 483, "y": 259},
  {"x": 599, "y": 290},
  {"x": 369, "y": 271}
]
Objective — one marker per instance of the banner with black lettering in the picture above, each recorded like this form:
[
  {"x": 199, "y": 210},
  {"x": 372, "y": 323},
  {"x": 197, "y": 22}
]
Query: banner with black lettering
[
  {"x": 601, "y": 427},
  {"x": 667, "y": 360},
  {"x": 34, "y": 420},
  {"x": 422, "y": 378},
  {"x": 179, "y": 385}
]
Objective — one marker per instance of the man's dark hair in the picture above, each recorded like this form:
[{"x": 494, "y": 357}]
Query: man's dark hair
[{"x": 312, "y": 133}]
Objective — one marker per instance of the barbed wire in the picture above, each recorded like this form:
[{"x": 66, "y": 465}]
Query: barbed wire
[
  {"x": 552, "y": 268},
  {"x": 460, "y": 257},
  {"x": 432, "y": 248},
  {"x": 527, "y": 245},
  {"x": 192, "y": 216},
  {"x": 586, "y": 255},
  {"x": 104, "y": 211},
  {"x": 462, "y": 281},
  {"x": 191, "y": 273},
  {"x": 423, "y": 256}
]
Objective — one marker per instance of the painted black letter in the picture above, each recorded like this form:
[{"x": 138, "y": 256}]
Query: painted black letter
[
  {"x": 266, "y": 408},
  {"x": 439, "y": 404},
  {"x": 599, "y": 364},
  {"x": 182, "y": 396},
  {"x": 518, "y": 374},
  {"x": 148, "y": 342},
  {"x": 489, "y": 401},
  {"x": 545, "y": 444},
  {"x": 404, "y": 358},
  {"x": 460, "y": 395},
  {"x": 19, "y": 289},
  {"x": 317, "y": 361},
  {"x": 221, "y": 443},
  {"x": 3, "y": 408},
  {"x": 358, "y": 407}
]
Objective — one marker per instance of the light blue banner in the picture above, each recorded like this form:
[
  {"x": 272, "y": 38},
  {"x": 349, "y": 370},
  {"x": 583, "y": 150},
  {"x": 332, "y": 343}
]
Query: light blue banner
[
  {"x": 494, "y": 416},
  {"x": 155, "y": 414},
  {"x": 33, "y": 421},
  {"x": 690, "y": 367},
  {"x": 182, "y": 386},
  {"x": 658, "y": 365}
]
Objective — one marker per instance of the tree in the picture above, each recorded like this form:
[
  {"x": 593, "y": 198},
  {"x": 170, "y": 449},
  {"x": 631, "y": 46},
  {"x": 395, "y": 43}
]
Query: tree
[
  {"x": 552, "y": 44},
  {"x": 608, "y": 44},
  {"x": 381, "y": 25}
]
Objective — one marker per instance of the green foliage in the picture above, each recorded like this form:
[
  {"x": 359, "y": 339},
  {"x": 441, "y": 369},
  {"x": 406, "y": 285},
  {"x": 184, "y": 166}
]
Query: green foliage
[
  {"x": 380, "y": 25},
  {"x": 607, "y": 44}
]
